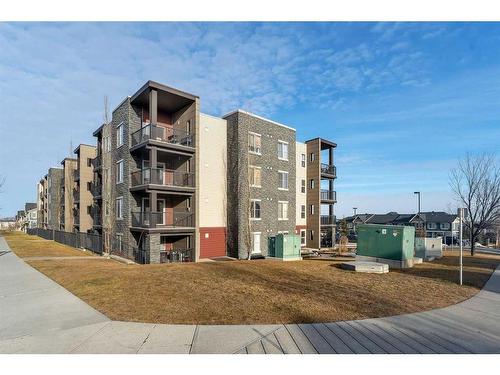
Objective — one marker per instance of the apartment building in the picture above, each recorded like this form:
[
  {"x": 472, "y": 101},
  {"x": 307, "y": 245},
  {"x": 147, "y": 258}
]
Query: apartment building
[
  {"x": 68, "y": 185},
  {"x": 102, "y": 186},
  {"x": 261, "y": 182},
  {"x": 166, "y": 183},
  {"x": 52, "y": 198},
  {"x": 82, "y": 193},
  {"x": 321, "y": 196}
]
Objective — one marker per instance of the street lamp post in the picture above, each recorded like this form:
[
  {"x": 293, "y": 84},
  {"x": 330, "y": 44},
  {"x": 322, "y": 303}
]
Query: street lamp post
[
  {"x": 418, "y": 193},
  {"x": 353, "y": 218}
]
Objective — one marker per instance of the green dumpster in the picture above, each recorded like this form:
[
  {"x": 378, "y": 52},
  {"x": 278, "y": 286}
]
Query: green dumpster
[
  {"x": 390, "y": 244},
  {"x": 284, "y": 247}
]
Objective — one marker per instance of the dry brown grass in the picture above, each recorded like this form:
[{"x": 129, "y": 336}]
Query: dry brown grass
[
  {"x": 260, "y": 291},
  {"x": 32, "y": 246}
]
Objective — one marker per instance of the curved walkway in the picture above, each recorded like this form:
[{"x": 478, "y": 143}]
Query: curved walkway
[{"x": 39, "y": 316}]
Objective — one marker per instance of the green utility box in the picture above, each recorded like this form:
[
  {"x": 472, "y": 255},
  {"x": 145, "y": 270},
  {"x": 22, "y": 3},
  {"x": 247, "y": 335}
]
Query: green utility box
[
  {"x": 390, "y": 244},
  {"x": 284, "y": 247}
]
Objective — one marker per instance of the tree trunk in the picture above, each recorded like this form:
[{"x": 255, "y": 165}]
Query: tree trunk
[{"x": 472, "y": 245}]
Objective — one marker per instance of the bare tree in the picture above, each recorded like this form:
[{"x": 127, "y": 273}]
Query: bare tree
[{"x": 476, "y": 184}]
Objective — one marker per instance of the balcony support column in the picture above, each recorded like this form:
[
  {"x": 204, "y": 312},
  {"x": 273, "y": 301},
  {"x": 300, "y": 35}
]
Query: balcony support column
[
  {"x": 330, "y": 156},
  {"x": 153, "y": 158},
  {"x": 153, "y": 106}
]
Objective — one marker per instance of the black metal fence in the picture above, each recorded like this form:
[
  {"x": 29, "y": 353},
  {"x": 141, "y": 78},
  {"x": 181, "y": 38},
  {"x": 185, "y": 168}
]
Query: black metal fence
[{"x": 89, "y": 241}]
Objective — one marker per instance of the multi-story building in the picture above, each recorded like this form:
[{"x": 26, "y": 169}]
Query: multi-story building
[
  {"x": 261, "y": 182},
  {"x": 41, "y": 202},
  {"x": 52, "y": 198},
  {"x": 82, "y": 191},
  {"x": 166, "y": 183},
  {"x": 67, "y": 198},
  {"x": 321, "y": 195},
  {"x": 102, "y": 186}
]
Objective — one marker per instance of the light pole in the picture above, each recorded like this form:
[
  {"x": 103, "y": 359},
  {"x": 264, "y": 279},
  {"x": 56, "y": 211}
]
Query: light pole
[
  {"x": 418, "y": 193},
  {"x": 353, "y": 218},
  {"x": 462, "y": 212},
  {"x": 354, "y": 209}
]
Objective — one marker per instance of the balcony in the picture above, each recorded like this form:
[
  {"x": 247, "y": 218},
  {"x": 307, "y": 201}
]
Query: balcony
[
  {"x": 76, "y": 217},
  {"x": 170, "y": 256},
  {"x": 76, "y": 175},
  {"x": 163, "y": 178},
  {"x": 330, "y": 170},
  {"x": 162, "y": 136},
  {"x": 96, "y": 189},
  {"x": 76, "y": 195},
  {"x": 327, "y": 219},
  {"x": 97, "y": 162},
  {"x": 328, "y": 195},
  {"x": 167, "y": 220},
  {"x": 96, "y": 216}
]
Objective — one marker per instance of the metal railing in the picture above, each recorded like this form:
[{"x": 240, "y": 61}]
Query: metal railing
[
  {"x": 165, "y": 177},
  {"x": 76, "y": 174},
  {"x": 162, "y": 134},
  {"x": 168, "y": 256},
  {"x": 329, "y": 169},
  {"x": 328, "y": 195},
  {"x": 175, "y": 219},
  {"x": 76, "y": 217},
  {"x": 96, "y": 189},
  {"x": 89, "y": 241},
  {"x": 327, "y": 219},
  {"x": 97, "y": 162},
  {"x": 76, "y": 195}
]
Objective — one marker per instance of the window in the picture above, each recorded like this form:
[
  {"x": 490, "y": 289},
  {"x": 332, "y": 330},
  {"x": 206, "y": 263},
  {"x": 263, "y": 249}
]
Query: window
[
  {"x": 431, "y": 225},
  {"x": 282, "y": 180},
  {"x": 282, "y": 150},
  {"x": 312, "y": 157},
  {"x": 89, "y": 210},
  {"x": 256, "y": 242},
  {"x": 255, "y": 176},
  {"x": 311, "y": 209},
  {"x": 255, "y": 209},
  {"x": 303, "y": 237},
  {"x": 89, "y": 185},
  {"x": 311, "y": 183},
  {"x": 119, "y": 171},
  {"x": 254, "y": 143},
  {"x": 303, "y": 160},
  {"x": 311, "y": 235},
  {"x": 282, "y": 210},
  {"x": 119, "y": 135},
  {"x": 303, "y": 211},
  {"x": 303, "y": 186},
  {"x": 119, "y": 242},
  {"x": 119, "y": 208},
  {"x": 445, "y": 226},
  {"x": 89, "y": 162}
]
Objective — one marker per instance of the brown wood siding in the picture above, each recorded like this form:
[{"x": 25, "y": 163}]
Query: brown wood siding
[
  {"x": 215, "y": 245},
  {"x": 313, "y": 195}
]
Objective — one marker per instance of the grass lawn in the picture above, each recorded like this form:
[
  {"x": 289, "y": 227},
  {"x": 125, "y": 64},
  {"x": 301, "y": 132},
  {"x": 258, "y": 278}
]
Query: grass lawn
[
  {"x": 32, "y": 246},
  {"x": 262, "y": 291}
]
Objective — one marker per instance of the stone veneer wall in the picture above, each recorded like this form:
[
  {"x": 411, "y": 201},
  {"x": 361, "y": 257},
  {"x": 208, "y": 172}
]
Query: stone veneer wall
[{"x": 239, "y": 191}]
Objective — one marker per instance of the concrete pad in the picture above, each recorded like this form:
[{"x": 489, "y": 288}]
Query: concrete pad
[
  {"x": 228, "y": 339},
  {"x": 116, "y": 338},
  {"x": 417, "y": 260},
  {"x": 271, "y": 344},
  {"x": 169, "y": 339},
  {"x": 286, "y": 341},
  {"x": 366, "y": 267}
]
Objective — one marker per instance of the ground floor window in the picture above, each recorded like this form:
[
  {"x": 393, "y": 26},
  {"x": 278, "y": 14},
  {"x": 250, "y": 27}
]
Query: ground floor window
[
  {"x": 119, "y": 242},
  {"x": 256, "y": 243}
]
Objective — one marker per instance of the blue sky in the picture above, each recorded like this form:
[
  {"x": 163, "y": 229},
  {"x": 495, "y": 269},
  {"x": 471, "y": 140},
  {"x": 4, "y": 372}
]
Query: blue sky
[{"x": 403, "y": 101}]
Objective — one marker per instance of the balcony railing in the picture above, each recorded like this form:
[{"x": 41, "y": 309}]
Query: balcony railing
[
  {"x": 76, "y": 217},
  {"x": 97, "y": 162},
  {"x": 328, "y": 195},
  {"x": 327, "y": 219},
  {"x": 96, "y": 216},
  {"x": 96, "y": 189},
  {"x": 162, "y": 134},
  {"x": 76, "y": 195},
  {"x": 170, "y": 256},
  {"x": 165, "y": 177},
  {"x": 175, "y": 219},
  {"x": 76, "y": 174},
  {"x": 329, "y": 169}
]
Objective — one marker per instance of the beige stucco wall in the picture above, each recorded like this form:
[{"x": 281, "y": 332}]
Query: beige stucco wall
[
  {"x": 211, "y": 179},
  {"x": 69, "y": 184},
  {"x": 86, "y": 175},
  {"x": 301, "y": 174}
]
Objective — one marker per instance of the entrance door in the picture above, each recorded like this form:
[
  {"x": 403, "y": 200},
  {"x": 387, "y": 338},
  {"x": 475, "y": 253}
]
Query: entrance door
[
  {"x": 162, "y": 213},
  {"x": 256, "y": 243},
  {"x": 161, "y": 173}
]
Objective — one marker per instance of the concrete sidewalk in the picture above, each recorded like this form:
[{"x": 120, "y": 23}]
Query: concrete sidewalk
[{"x": 39, "y": 316}]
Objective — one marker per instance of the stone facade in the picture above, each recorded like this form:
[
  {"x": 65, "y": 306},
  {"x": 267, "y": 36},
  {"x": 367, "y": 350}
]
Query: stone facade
[{"x": 239, "y": 124}]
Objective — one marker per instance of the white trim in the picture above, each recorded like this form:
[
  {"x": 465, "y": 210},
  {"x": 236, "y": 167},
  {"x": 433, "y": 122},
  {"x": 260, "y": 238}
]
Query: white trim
[
  {"x": 260, "y": 207},
  {"x": 256, "y": 167},
  {"x": 287, "y": 205},
  {"x": 257, "y": 116},
  {"x": 123, "y": 172},
  {"x": 287, "y": 180},
  {"x": 121, "y": 208},
  {"x": 287, "y": 150}
]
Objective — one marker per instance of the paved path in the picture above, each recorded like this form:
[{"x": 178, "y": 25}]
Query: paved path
[{"x": 39, "y": 316}]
